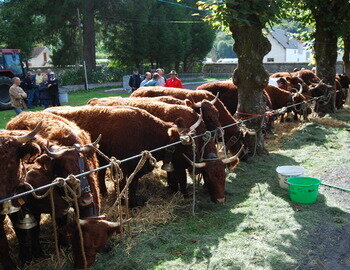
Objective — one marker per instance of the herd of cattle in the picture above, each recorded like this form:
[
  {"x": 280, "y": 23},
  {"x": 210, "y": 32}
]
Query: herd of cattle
[{"x": 38, "y": 147}]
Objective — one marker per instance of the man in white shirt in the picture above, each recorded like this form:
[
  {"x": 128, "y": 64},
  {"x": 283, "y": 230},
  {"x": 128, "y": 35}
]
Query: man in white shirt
[
  {"x": 148, "y": 77},
  {"x": 161, "y": 81}
]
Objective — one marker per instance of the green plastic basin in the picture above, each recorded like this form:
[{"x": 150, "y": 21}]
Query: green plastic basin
[{"x": 303, "y": 189}]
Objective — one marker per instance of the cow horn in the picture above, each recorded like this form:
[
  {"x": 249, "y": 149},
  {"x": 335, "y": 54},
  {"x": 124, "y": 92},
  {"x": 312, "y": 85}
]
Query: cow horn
[
  {"x": 57, "y": 154},
  {"x": 117, "y": 224},
  {"x": 194, "y": 164},
  {"x": 215, "y": 99},
  {"x": 231, "y": 159},
  {"x": 195, "y": 125},
  {"x": 300, "y": 89},
  {"x": 30, "y": 135},
  {"x": 82, "y": 222},
  {"x": 93, "y": 145}
]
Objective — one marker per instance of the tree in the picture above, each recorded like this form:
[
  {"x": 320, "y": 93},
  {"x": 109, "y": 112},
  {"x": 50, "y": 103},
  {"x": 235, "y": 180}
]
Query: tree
[
  {"x": 246, "y": 20},
  {"x": 326, "y": 20},
  {"x": 150, "y": 32},
  {"x": 19, "y": 28}
]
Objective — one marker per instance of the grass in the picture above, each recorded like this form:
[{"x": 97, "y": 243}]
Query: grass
[
  {"x": 77, "y": 98},
  {"x": 205, "y": 79},
  {"x": 258, "y": 227}
]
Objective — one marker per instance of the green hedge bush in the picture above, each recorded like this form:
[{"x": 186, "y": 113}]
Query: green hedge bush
[{"x": 101, "y": 75}]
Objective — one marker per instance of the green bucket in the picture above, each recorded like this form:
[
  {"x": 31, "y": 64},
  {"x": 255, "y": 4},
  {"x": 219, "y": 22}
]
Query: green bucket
[{"x": 303, "y": 189}]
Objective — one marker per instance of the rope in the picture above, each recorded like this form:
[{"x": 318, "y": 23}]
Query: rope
[
  {"x": 194, "y": 177},
  {"x": 71, "y": 194},
  {"x": 274, "y": 112}
]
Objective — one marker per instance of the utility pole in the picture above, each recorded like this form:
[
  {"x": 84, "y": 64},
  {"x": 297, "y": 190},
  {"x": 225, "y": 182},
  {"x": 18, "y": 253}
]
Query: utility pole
[{"x": 80, "y": 27}]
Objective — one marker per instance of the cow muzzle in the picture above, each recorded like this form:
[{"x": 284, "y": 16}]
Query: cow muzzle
[{"x": 221, "y": 200}]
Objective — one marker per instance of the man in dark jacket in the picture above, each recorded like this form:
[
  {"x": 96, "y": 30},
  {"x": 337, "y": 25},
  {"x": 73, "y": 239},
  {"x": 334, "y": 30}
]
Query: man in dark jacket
[
  {"x": 53, "y": 90},
  {"x": 32, "y": 93},
  {"x": 135, "y": 80},
  {"x": 44, "y": 93}
]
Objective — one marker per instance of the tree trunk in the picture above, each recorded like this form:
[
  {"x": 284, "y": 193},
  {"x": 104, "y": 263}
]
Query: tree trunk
[
  {"x": 89, "y": 36},
  {"x": 346, "y": 56},
  {"x": 326, "y": 59},
  {"x": 250, "y": 76}
]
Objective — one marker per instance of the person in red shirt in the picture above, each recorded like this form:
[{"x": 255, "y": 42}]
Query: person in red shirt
[{"x": 173, "y": 81}]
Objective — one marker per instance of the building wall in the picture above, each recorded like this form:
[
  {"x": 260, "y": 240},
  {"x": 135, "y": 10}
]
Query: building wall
[
  {"x": 39, "y": 61},
  {"x": 224, "y": 69},
  {"x": 297, "y": 55},
  {"x": 277, "y": 51}
]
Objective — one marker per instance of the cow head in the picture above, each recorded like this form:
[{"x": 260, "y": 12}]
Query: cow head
[
  {"x": 344, "y": 80},
  {"x": 213, "y": 171},
  {"x": 340, "y": 99},
  {"x": 209, "y": 111},
  {"x": 320, "y": 89},
  {"x": 295, "y": 83},
  {"x": 96, "y": 232},
  {"x": 14, "y": 147}
]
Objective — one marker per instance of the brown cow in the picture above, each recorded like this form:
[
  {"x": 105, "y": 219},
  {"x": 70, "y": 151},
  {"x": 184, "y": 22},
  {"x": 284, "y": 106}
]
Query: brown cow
[
  {"x": 58, "y": 132},
  {"x": 126, "y": 131},
  {"x": 228, "y": 94},
  {"x": 14, "y": 149},
  {"x": 234, "y": 136},
  {"x": 214, "y": 171},
  {"x": 307, "y": 76},
  {"x": 281, "y": 98}
]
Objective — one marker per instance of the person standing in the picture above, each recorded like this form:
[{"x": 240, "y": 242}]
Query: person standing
[
  {"x": 17, "y": 96},
  {"x": 173, "y": 81},
  {"x": 154, "y": 81},
  {"x": 53, "y": 89},
  {"x": 29, "y": 87},
  {"x": 44, "y": 93},
  {"x": 135, "y": 80},
  {"x": 38, "y": 79},
  {"x": 148, "y": 77},
  {"x": 161, "y": 81}
]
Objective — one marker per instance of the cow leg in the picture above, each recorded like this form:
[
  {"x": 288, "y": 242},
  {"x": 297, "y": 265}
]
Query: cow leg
[
  {"x": 172, "y": 183},
  {"x": 133, "y": 200},
  {"x": 101, "y": 175},
  {"x": 24, "y": 244},
  {"x": 5, "y": 258},
  {"x": 182, "y": 178},
  {"x": 61, "y": 223},
  {"x": 37, "y": 251}
]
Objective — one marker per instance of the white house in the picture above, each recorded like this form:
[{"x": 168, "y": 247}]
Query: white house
[
  {"x": 41, "y": 57},
  {"x": 285, "y": 48}
]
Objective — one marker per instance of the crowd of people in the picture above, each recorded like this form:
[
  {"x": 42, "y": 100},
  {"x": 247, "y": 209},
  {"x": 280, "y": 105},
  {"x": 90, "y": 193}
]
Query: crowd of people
[
  {"x": 36, "y": 89},
  {"x": 154, "y": 79}
]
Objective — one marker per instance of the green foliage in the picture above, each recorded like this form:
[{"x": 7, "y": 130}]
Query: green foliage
[
  {"x": 19, "y": 27},
  {"x": 146, "y": 32},
  {"x": 101, "y": 75}
]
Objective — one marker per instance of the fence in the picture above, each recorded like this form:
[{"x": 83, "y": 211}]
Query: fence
[{"x": 270, "y": 113}]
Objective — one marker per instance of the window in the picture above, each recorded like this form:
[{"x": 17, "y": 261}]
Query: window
[
  {"x": 45, "y": 57},
  {"x": 270, "y": 59}
]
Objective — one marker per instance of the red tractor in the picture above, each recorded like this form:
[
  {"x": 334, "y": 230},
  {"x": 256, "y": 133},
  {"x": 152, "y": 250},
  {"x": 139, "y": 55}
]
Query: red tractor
[{"x": 11, "y": 65}]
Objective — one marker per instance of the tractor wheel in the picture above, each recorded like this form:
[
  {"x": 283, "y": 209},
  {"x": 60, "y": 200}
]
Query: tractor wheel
[{"x": 5, "y": 84}]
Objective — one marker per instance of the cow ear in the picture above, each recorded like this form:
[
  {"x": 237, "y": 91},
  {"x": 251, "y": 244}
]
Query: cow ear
[
  {"x": 288, "y": 79},
  {"x": 189, "y": 103},
  {"x": 29, "y": 151}
]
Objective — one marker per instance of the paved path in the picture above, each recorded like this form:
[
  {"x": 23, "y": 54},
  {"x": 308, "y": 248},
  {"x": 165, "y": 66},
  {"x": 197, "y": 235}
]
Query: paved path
[{"x": 187, "y": 85}]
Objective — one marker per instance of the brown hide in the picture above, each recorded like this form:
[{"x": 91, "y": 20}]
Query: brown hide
[
  {"x": 225, "y": 117},
  {"x": 228, "y": 94},
  {"x": 96, "y": 233},
  {"x": 125, "y": 131},
  {"x": 58, "y": 130},
  {"x": 214, "y": 172}
]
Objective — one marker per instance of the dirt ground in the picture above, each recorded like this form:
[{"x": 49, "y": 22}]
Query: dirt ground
[{"x": 330, "y": 247}]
